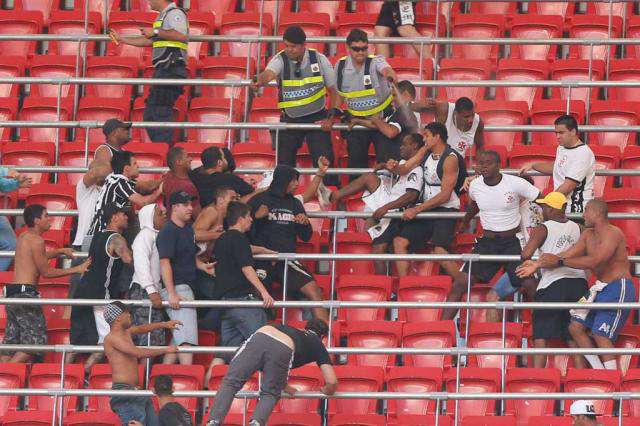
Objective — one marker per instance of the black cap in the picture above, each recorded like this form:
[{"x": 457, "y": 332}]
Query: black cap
[
  {"x": 180, "y": 197},
  {"x": 294, "y": 34},
  {"x": 112, "y": 124},
  {"x": 112, "y": 209}
]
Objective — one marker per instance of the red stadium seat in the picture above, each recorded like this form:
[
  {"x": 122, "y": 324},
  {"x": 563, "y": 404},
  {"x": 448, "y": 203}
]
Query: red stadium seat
[
  {"x": 584, "y": 381},
  {"x": 100, "y": 378},
  {"x": 373, "y": 334},
  {"x": 368, "y": 6},
  {"x": 43, "y": 6},
  {"x": 200, "y": 23},
  {"x": 363, "y": 288},
  {"x": 633, "y": 31},
  {"x": 625, "y": 200},
  {"x": 109, "y": 67},
  {"x": 412, "y": 380},
  {"x": 521, "y": 156},
  {"x": 353, "y": 378},
  {"x": 594, "y": 27},
  {"x": 73, "y": 155},
  {"x": 408, "y": 68},
  {"x": 624, "y": 70},
  {"x": 71, "y": 22},
  {"x": 536, "y": 27},
  {"x": 576, "y": 70},
  {"x": 534, "y": 380},
  {"x": 27, "y": 418},
  {"x": 489, "y": 421},
  {"x": 631, "y": 383},
  {"x": 129, "y": 24},
  {"x": 273, "y": 8},
  {"x": 218, "y": 7},
  {"x": 238, "y": 405},
  {"x": 58, "y": 330},
  {"x": 332, "y": 8},
  {"x": 100, "y": 109},
  {"x": 417, "y": 420},
  {"x": 502, "y": 114},
  {"x": 607, "y": 157},
  {"x": 8, "y": 111},
  {"x": 629, "y": 338},
  {"x": 349, "y": 21},
  {"x": 244, "y": 24},
  {"x": 422, "y": 289},
  {"x": 44, "y": 109},
  {"x": 12, "y": 376},
  {"x": 313, "y": 24},
  {"x": 614, "y": 113},
  {"x": 54, "y": 66},
  {"x": 463, "y": 69},
  {"x": 494, "y": 7},
  {"x": 253, "y": 156},
  {"x": 185, "y": 378},
  {"x": 263, "y": 110},
  {"x": 357, "y": 420},
  {"x": 212, "y": 110},
  {"x": 226, "y": 67},
  {"x": 631, "y": 160},
  {"x": 626, "y": 421},
  {"x": 11, "y": 66},
  {"x": 149, "y": 158},
  {"x": 521, "y": 70},
  {"x": 53, "y": 289},
  {"x": 47, "y": 376},
  {"x": 429, "y": 335},
  {"x": 616, "y": 9},
  {"x": 426, "y": 26},
  {"x": 20, "y": 22},
  {"x": 353, "y": 242},
  {"x": 29, "y": 154},
  {"x": 205, "y": 338},
  {"x": 545, "y": 112},
  {"x": 473, "y": 26},
  {"x": 489, "y": 336},
  {"x": 307, "y": 378},
  {"x": 294, "y": 419},
  {"x": 92, "y": 419},
  {"x": 478, "y": 294},
  {"x": 101, "y": 6},
  {"x": 474, "y": 380},
  {"x": 54, "y": 197},
  {"x": 566, "y": 9}
]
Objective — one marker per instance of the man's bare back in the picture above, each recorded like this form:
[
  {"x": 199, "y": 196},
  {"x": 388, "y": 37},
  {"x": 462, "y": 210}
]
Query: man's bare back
[{"x": 617, "y": 265}]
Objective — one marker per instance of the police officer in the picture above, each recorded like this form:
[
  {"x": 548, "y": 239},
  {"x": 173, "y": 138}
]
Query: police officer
[
  {"x": 169, "y": 38},
  {"x": 305, "y": 76},
  {"x": 364, "y": 81}
]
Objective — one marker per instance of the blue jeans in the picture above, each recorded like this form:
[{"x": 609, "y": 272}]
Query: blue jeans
[
  {"x": 133, "y": 407},
  {"x": 7, "y": 242},
  {"x": 238, "y": 324}
]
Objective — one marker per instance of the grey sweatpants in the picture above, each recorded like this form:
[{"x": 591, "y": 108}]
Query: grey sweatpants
[{"x": 259, "y": 352}]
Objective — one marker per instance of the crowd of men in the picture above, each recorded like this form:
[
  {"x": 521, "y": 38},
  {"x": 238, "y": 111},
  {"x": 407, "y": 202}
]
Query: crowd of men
[{"x": 193, "y": 234}]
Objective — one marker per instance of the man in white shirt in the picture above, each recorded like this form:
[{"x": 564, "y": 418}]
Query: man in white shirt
[
  {"x": 146, "y": 283},
  {"x": 87, "y": 192},
  {"x": 574, "y": 167},
  {"x": 383, "y": 192},
  {"x": 496, "y": 198}
]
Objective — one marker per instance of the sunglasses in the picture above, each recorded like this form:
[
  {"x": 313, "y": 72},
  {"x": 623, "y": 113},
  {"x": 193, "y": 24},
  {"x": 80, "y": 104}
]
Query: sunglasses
[{"x": 359, "y": 49}]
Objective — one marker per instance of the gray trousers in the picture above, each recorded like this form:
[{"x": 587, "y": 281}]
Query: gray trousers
[{"x": 260, "y": 352}]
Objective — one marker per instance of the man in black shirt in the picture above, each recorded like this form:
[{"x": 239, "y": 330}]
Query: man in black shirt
[
  {"x": 274, "y": 350},
  {"x": 171, "y": 413},
  {"x": 280, "y": 218}
]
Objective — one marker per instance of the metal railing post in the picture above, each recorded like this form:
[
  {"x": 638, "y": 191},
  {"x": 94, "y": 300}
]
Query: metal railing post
[
  {"x": 588, "y": 103},
  {"x": 147, "y": 368},
  {"x": 333, "y": 279},
  {"x": 569, "y": 100},
  {"x": 503, "y": 363},
  {"x": 277, "y": 144},
  {"x": 468, "y": 319},
  {"x": 285, "y": 276},
  {"x": 62, "y": 373},
  {"x": 229, "y": 142},
  {"x": 58, "y": 107},
  {"x": 86, "y": 148}
]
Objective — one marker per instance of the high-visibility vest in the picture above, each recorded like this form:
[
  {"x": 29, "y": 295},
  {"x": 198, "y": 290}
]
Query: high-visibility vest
[
  {"x": 365, "y": 102},
  {"x": 162, "y": 47},
  {"x": 304, "y": 94}
]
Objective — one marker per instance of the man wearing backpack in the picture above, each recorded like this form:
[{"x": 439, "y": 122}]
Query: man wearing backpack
[{"x": 444, "y": 174}]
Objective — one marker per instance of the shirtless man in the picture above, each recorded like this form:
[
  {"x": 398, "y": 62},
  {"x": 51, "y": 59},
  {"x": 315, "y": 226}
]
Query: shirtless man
[
  {"x": 209, "y": 223},
  {"x": 123, "y": 358},
  {"x": 602, "y": 249},
  {"x": 25, "y": 323}
]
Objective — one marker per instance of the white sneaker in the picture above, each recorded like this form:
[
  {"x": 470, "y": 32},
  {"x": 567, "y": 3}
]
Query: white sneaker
[{"x": 324, "y": 196}]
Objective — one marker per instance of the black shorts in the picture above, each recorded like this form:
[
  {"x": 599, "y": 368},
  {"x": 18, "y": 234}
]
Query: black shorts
[
  {"x": 420, "y": 231},
  {"x": 392, "y": 231},
  {"x": 83, "y": 326},
  {"x": 297, "y": 275},
  {"x": 554, "y": 323},
  {"x": 484, "y": 271},
  {"x": 394, "y": 14}
]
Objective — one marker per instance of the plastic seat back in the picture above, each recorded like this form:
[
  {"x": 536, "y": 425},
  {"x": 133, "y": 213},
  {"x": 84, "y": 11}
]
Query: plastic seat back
[
  {"x": 536, "y": 27},
  {"x": 503, "y": 114},
  {"x": 412, "y": 380},
  {"x": 353, "y": 242},
  {"x": 216, "y": 111},
  {"x": 47, "y": 376},
  {"x": 624, "y": 70},
  {"x": 594, "y": 27},
  {"x": 422, "y": 289},
  {"x": 459, "y": 69},
  {"x": 489, "y": 336},
  {"x": 305, "y": 379},
  {"x": 373, "y": 334},
  {"x": 521, "y": 70},
  {"x": 477, "y": 26},
  {"x": 534, "y": 380},
  {"x": 11, "y": 66},
  {"x": 576, "y": 70},
  {"x": 100, "y": 109},
  {"x": 53, "y": 66},
  {"x": 474, "y": 380},
  {"x": 356, "y": 379},
  {"x": 363, "y": 288},
  {"x": 109, "y": 67},
  {"x": 584, "y": 381},
  {"x": 72, "y": 23},
  {"x": 611, "y": 113},
  {"x": 129, "y": 24},
  {"x": 44, "y": 109},
  {"x": 429, "y": 335},
  {"x": 20, "y": 22},
  {"x": 12, "y": 376},
  {"x": 244, "y": 24},
  {"x": 226, "y": 67},
  {"x": 545, "y": 112}
]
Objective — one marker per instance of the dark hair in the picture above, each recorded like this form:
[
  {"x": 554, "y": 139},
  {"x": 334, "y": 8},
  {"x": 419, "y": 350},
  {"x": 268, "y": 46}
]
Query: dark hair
[
  {"x": 31, "y": 213},
  {"x": 407, "y": 86},
  {"x": 492, "y": 153},
  {"x": 568, "y": 121},
  {"x": 220, "y": 192},
  {"x": 464, "y": 104},
  {"x": 210, "y": 157},
  {"x": 357, "y": 34},
  {"x": 438, "y": 129},
  {"x": 235, "y": 211},
  {"x": 173, "y": 155},
  {"x": 294, "y": 34},
  {"x": 163, "y": 385},
  {"x": 415, "y": 138},
  {"x": 318, "y": 326},
  {"x": 120, "y": 160}
]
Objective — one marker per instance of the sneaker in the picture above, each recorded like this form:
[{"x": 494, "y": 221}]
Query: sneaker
[{"x": 324, "y": 197}]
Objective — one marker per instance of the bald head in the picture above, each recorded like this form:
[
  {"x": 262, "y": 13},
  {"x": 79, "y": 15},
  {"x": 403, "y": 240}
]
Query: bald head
[{"x": 598, "y": 207}]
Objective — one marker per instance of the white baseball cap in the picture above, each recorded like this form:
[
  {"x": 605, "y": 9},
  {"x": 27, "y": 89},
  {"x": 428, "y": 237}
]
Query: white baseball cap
[{"x": 582, "y": 407}]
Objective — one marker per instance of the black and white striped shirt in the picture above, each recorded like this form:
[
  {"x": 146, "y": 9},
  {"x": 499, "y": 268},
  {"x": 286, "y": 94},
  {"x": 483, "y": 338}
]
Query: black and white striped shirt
[{"x": 116, "y": 190}]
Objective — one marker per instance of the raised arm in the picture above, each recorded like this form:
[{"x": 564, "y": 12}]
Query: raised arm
[
  {"x": 146, "y": 328},
  {"x": 311, "y": 190},
  {"x": 46, "y": 270},
  {"x": 203, "y": 226},
  {"x": 126, "y": 346},
  {"x": 409, "y": 165},
  {"x": 118, "y": 247},
  {"x": 536, "y": 239}
]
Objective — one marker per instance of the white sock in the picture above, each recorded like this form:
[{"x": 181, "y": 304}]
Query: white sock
[
  {"x": 595, "y": 362},
  {"x": 610, "y": 365}
]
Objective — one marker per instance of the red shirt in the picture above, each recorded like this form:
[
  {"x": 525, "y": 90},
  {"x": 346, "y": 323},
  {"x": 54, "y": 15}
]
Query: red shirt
[{"x": 172, "y": 183}]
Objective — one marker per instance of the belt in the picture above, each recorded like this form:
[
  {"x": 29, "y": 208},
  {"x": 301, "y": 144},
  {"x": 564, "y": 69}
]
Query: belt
[
  {"x": 13, "y": 289},
  {"x": 500, "y": 234}
]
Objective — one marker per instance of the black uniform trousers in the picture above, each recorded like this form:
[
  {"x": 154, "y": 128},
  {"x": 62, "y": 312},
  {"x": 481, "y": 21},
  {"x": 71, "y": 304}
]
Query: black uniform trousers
[{"x": 159, "y": 104}]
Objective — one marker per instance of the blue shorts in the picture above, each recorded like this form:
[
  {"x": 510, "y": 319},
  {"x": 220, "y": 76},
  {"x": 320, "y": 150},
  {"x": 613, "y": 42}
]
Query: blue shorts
[
  {"x": 609, "y": 322},
  {"x": 503, "y": 287}
]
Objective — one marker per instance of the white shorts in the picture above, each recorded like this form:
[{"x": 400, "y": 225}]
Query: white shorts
[
  {"x": 188, "y": 332},
  {"x": 101, "y": 325},
  {"x": 374, "y": 200}
]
